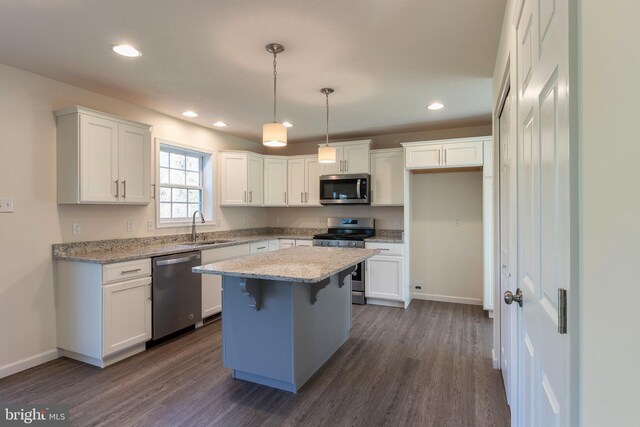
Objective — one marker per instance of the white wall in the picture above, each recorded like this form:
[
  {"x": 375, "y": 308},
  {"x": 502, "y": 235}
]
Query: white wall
[
  {"x": 447, "y": 259},
  {"x": 28, "y": 174},
  {"x": 610, "y": 211}
]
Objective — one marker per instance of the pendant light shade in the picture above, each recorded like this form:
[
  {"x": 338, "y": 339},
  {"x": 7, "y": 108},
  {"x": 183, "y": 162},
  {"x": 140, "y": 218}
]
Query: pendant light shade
[
  {"x": 274, "y": 134},
  {"x": 326, "y": 153}
]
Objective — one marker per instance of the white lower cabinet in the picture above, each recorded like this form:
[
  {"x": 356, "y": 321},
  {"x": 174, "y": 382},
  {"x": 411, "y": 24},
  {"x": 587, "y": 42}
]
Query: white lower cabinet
[
  {"x": 259, "y": 247},
  {"x": 289, "y": 243},
  {"x": 103, "y": 312},
  {"x": 385, "y": 276},
  {"x": 212, "y": 284},
  {"x": 126, "y": 310},
  {"x": 274, "y": 245}
]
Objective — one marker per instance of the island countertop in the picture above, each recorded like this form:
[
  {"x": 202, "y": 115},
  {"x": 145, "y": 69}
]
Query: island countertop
[{"x": 298, "y": 264}]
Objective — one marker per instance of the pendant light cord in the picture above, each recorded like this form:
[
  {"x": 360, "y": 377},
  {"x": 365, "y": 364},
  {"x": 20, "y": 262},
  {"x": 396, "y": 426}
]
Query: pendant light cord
[
  {"x": 327, "y": 96},
  {"x": 275, "y": 77}
]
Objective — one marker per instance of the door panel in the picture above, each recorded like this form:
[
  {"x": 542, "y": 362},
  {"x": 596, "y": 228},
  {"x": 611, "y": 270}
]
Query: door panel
[
  {"x": 98, "y": 159},
  {"x": 544, "y": 214},
  {"x": 313, "y": 170},
  {"x": 135, "y": 160},
  {"x": 296, "y": 185},
  {"x": 233, "y": 170}
]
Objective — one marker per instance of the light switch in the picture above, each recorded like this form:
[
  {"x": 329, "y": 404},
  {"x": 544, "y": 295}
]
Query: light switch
[
  {"x": 6, "y": 205},
  {"x": 129, "y": 225},
  {"x": 76, "y": 228},
  {"x": 150, "y": 225}
]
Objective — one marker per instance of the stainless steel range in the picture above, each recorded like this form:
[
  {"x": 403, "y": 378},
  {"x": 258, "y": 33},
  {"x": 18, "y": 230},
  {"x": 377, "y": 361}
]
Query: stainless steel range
[{"x": 349, "y": 233}]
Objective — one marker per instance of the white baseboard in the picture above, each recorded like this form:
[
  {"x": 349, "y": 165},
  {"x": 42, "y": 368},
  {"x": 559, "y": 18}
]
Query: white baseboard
[
  {"x": 28, "y": 362},
  {"x": 494, "y": 359},
  {"x": 446, "y": 298}
]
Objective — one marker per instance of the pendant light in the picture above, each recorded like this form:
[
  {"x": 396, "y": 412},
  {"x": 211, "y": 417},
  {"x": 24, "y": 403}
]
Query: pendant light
[
  {"x": 326, "y": 153},
  {"x": 274, "y": 134}
]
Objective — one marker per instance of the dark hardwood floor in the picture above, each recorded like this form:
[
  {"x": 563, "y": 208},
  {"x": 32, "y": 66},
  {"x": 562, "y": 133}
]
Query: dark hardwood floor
[{"x": 429, "y": 365}]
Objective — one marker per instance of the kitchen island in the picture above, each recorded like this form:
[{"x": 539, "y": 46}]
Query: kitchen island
[{"x": 285, "y": 313}]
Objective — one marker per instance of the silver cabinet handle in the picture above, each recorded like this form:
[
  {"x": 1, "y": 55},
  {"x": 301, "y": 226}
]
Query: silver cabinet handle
[
  {"x": 445, "y": 156},
  {"x": 149, "y": 298},
  {"x": 124, "y": 188},
  {"x": 341, "y": 165},
  {"x": 306, "y": 197},
  {"x": 244, "y": 198},
  {"x": 346, "y": 166},
  {"x": 301, "y": 197},
  {"x": 262, "y": 247},
  {"x": 250, "y": 196},
  {"x": 135, "y": 270},
  {"x": 285, "y": 197},
  {"x": 117, "y": 189}
]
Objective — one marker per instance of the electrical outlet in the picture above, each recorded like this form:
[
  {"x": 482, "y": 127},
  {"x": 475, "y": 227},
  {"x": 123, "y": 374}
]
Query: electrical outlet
[
  {"x": 130, "y": 226},
  {"x": 456, "y": 222},
  {"x": 150, "y": 225},
  {"x": 76, "y": 228},
  {"x": 418, "y": 284},
  {"x": 398, "y": 222},
  {"x": 6, "y": 205}
]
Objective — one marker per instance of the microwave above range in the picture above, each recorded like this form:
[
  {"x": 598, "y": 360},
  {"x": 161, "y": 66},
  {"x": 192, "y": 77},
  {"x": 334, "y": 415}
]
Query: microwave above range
[{"x": 345, "y": 189}]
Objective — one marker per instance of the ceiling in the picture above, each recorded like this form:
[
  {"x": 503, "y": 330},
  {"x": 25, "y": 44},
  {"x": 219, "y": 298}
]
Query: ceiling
[{"x": 386, "y": 59}]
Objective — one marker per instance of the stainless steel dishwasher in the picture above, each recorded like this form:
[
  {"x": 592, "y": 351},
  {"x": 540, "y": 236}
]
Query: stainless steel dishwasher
[{"x": 177, "y": 293}]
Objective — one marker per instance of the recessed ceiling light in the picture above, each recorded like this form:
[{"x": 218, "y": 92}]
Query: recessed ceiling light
[
  {"x": 287, "y": 124},
  {"x": 435, "y": 106},
  {"x": 220, "y": 124},
  {"x": 126, "y": 50},
  {"x": 190, "y": 113}
]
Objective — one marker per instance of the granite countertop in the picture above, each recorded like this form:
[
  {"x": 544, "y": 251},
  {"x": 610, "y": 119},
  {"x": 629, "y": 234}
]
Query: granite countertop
[
  {"x": 298, "y": 264},
  {"x": 121, "y": 250}
]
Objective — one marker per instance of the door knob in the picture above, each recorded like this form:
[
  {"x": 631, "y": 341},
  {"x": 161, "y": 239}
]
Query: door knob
[{"x": 509, "y": 297}]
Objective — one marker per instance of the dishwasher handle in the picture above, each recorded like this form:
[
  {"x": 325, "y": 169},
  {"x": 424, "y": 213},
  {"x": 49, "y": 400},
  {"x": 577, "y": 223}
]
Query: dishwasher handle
[{"x": 178, "y": 260}]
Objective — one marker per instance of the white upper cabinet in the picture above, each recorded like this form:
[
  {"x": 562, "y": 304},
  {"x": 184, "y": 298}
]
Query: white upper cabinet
[
  {"x": 387, "y": 177},
  {"x": 351, "y": 157},
  {"x": 233, "y": 179},
  {"x": 304, "y": 181},
  {"x": 241, "y": 178},
  {"x": 275, "y": 181},
  {"x": 134, "y": 160},
  {"x": 296, "y": 177},
  {"x": 102, "y": 158},
  {"x": 463, "y": 154},
  {"x": 255, "y": 177},
  {"x": 454, "y": 153}
]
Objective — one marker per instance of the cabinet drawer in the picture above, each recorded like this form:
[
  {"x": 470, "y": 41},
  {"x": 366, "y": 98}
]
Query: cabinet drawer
[
  {"x": 220, "y": 254},
  {"x": 260, "y": 247},
  {"x": 304, "y": 242},
  {"x": 126, "y": 270},
  {"x": 387, "y": 249}
]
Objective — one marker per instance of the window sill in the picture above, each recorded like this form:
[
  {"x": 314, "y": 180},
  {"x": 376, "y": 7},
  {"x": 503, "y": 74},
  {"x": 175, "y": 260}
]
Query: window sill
[{"x": 179, "y": 224}]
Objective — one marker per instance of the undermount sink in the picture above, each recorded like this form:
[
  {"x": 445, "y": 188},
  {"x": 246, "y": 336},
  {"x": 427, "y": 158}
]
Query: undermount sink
[{"x": 208, "y": 242}]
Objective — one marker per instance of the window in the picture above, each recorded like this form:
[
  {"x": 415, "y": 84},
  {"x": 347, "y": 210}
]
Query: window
[{"x": 182, "y": 184}]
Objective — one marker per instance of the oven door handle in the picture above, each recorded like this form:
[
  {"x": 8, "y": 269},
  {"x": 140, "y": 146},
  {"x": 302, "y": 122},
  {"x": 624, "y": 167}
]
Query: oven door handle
[{"x": 358, "y": 188}]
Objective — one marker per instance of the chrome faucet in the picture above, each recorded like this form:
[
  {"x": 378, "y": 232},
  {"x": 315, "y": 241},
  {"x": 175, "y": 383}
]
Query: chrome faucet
[{"x": 193, "y": 224}]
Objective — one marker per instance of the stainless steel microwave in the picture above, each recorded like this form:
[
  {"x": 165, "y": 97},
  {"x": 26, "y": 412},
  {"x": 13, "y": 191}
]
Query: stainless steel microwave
[{"x": 351, "y": 189}]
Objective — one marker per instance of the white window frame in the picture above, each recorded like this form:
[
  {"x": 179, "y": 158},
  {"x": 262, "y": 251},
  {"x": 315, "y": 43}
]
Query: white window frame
[{"x": 208, "y": 184}]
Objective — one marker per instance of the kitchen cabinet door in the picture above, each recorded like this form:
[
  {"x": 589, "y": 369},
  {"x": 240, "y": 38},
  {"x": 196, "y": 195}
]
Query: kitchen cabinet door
[
  {"x": 212, "y": 284},
  {"x": 463, "y": 154},
  {"x": 275, "y": 181},
  {"x": 313, "y": 170},
  {"x": 233, "y": 173},
  {"x": 259, "y": 247},
  {"x": 304, "y": 242},
  {"x": 385, "y": 277},
  {"x": 423, "y": 156},
  {"x": 126, "y": 314},
  {"x": 98, "y": 160},
  {"x": 255, "y": 176},
  {"x": 134, "y": 152},
  {"x": 356, "y": 158},
  {"x": 287, "y": 243},
  {"x": 387, "y": 177},
  {"x": 296, "y": 181}
]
